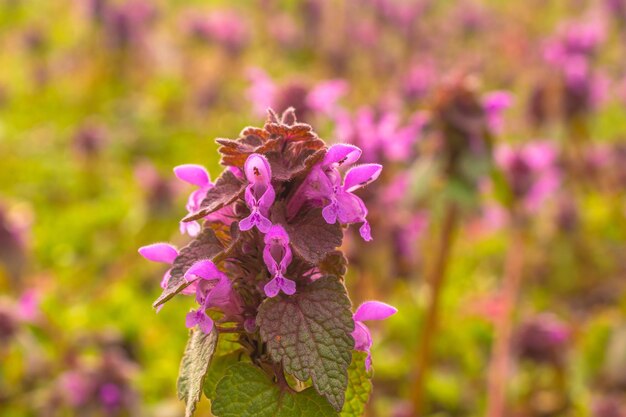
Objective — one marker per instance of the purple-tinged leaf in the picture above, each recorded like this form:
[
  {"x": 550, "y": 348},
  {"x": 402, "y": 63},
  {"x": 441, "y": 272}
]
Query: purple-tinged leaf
[
  {"x": 194, "y": 367},
  {"x": 227, "y": 189},
  {"x": 204, "y": 246},
  {"x": 289, "y": 117},
  {"x": 335, "y": 263},
  {"x": 310, "y": 334},
  {"x": 312, "y": 238}
]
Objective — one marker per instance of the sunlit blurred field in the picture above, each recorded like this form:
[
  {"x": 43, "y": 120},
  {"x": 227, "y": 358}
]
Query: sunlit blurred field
[{"x": 100, "y": 99}]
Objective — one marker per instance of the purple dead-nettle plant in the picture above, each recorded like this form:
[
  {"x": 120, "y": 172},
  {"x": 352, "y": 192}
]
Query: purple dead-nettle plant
[{"x": 272, "y": 330}]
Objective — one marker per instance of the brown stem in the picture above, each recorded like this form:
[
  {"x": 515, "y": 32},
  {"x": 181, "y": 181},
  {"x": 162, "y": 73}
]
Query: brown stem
[
  {"x": 501, "y": 354},
  {"x": 435, "y": 281}
]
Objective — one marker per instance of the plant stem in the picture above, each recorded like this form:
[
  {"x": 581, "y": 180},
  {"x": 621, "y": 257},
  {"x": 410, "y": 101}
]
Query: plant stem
[
  {"x": 501, "y": 354},
  {"x": 435, "y": 280}
]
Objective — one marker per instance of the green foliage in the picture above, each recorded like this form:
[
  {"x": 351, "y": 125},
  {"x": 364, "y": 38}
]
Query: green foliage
[
  {"x": 359, "y": 386},
  {"x": 194, "y": 367},
  {"x": 246, "y": 391},
  {"x": 217, "y": 370},
  {"x": 309, "y": 333}
]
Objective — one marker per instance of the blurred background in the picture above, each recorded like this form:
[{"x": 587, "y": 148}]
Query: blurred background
[{"x": 498, "y": 223}]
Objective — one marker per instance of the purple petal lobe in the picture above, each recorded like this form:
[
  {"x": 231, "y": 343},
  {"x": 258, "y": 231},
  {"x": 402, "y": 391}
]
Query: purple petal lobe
[
  {"x": 204, "y": 269},
  {"x": 263, "y": 224},
  {"x": 199, "y": 318},
  {"x": 366, "y": 232},
  {"x": 272, "y": 288},
  {"x": 193, "y": 174},
  {"x": 159, "y": 252},
  {"x": 374, "y": 310},
  {"x": 246, "y": 224},
  {"x": 257, "y": 169},
  {"x": 330, "y": 213},
  {"x": 362, "y": 337},
  {"x": 341, "y": 154},
  {"x": 289, "y": 286},
  {"x": 361, "y": 175}
]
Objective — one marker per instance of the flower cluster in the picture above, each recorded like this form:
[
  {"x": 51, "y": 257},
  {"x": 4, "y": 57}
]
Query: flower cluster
[{"x": 265, "y": 238}]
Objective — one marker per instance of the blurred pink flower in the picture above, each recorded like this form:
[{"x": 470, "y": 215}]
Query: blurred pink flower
[
  {"x": 226, "y": 28},
  {"x": 531, "y": 171}
]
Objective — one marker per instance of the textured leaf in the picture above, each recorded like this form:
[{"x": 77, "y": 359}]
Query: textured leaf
[
  {"x": 310, "y": 334},
  {"x": 245, "y": 391},
  {"x": 219, "y": 366},
  {"x": 359, "y": 386},
  {"x": 194, "y": 367},
  {"x": 226, "y": 190},
  {"x": 335, "y": 263},
  {"x": 235, "y": 152},
  {"x": 298, "y": 132},
  {"x": 312, "y": 238},
  {"x": 289, "y": 117},
  {"x": 205, "y": 246},
  {"x": 297, "y": 163}
]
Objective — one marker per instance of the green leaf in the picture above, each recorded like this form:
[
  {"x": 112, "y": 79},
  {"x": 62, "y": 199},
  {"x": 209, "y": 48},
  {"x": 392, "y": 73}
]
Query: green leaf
[
  {"x": 359, "y": 386},
  {"x": 194, "y": 367},
  {"x": 310, "y": 334},
  {"x": 219, "y": 366},
  {"x": 246, "y": 391}
]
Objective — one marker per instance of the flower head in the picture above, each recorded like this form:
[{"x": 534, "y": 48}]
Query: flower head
[
  {"x": 213, "y": 289},
  {"x": 277, "y": 257},
  {"x": 325, "y": 186},
  {"x": 369, "y": 310},
  {"x": 160, "y": 252},
  {"x": 195, "y": 175},
  {"x": 259, "y": 193}
]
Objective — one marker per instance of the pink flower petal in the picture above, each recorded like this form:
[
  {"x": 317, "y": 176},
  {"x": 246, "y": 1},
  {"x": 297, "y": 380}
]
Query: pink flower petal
[
  {"x": 193, "y": 174},
  {"x": 159, "y": 252},
  {"x": 342, "y": 154},
  {"x": 361, "y": 175},
  {"x": 374, "y": 310}
]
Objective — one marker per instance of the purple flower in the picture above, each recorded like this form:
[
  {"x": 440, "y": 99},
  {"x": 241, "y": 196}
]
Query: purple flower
[
  {"x": 380, "y": 136},
  {"x": 195, "y": 175},
  {"x": 110, "y": 395},
  {"x": 277, "y": 257},
  {"x": 494, "y": 104},
  {"x": 213, "y": 289},
  {"x": 223, "y": 27},
  {"x": 369, "y": 310},
  {"x": 324, "y": 185},
  {"x": 160, "y": 252},
  {"x": 324, "y": 96},
  {"x": 28, "y": 305},
  {"x": 531, "y": 170},
  {"x": 320, "y": 98},
  {"x": 259, "y": 193}
]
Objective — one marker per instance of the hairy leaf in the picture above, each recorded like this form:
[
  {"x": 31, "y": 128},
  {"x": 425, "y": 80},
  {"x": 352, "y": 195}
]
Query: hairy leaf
[
  {"x": 226, "y": 190},
  {"x": 298, "y": 132},
  {"x": 335, "y": 263},
  {"x": 310, "y": 334},
  {"x": 288, "y": 117},
  {"x": 205, "y": 246},
  {"x": 219, "y": 366},
  {"x": 194, "y": 367},
  {"x": 312, "y": 238},
  {"x": 245, "y": 391},
  {"x": 359, "y": 386}
]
